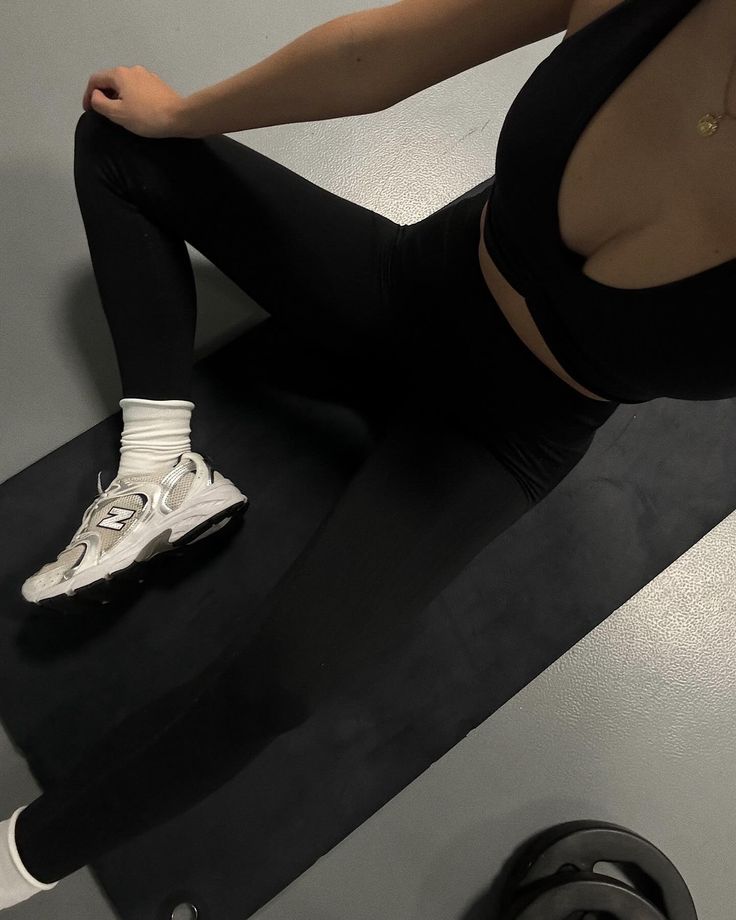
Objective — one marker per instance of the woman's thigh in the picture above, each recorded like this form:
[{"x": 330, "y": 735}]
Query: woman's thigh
[
  {"x": 306, "y": 255},
  {"x": 470, "y": 364}
]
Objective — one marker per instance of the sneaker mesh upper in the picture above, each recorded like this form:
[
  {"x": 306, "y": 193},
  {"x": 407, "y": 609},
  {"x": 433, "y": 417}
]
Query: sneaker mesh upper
[{"x": 180, "y": 490}]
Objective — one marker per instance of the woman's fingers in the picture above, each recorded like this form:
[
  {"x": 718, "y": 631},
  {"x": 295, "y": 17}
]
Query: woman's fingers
[{"x": 102, "y": 80}]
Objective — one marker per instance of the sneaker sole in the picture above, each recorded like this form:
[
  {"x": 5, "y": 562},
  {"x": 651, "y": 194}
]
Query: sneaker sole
[{"x": 158, "y": 545}]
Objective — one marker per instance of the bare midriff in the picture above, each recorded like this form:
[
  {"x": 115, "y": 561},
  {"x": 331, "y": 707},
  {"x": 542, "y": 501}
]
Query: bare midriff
[{"x": 514, "y": 308}]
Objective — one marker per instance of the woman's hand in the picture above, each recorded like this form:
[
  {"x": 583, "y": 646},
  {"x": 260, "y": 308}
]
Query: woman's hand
[{"x": 134, "y": 98}]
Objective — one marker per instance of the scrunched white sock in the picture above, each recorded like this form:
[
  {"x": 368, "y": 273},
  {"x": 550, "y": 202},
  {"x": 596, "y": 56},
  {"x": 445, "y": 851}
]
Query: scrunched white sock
[
  {"x": 155, "y": 433},
  {"x": 16, "y": 882}
]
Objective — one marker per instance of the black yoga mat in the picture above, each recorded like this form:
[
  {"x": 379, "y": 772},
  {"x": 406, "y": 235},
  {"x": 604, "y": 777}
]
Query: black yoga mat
[{"x": 657, "y": 478}]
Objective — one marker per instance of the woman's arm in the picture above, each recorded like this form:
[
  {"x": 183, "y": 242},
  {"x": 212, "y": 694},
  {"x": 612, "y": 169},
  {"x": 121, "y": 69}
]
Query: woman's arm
[
  {"x": 343, "y": 67},
  {"x": 367, "y": 61}
]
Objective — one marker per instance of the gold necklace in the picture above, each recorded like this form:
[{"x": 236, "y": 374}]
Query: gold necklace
[{"x": 709, "y": 123}]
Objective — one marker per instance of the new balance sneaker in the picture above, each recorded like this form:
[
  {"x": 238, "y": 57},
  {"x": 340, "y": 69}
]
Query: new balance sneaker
[{"x": 135, "y": 518}]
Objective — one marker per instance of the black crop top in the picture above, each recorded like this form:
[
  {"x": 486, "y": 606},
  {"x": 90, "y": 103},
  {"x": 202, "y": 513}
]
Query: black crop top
[{"x": 628, "y": 345}]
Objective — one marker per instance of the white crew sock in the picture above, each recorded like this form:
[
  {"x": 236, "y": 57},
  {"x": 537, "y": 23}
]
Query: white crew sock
[
  {"x": 16, "y": 882},
  {"x": 154, "y": 433}
]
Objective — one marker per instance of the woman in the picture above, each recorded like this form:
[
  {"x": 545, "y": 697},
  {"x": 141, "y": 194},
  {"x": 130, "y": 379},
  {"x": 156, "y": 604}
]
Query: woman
[{"x": 480, "y": 419}]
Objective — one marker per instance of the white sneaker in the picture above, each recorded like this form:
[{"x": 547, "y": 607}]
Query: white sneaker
[{"x": 135, "y": 518}]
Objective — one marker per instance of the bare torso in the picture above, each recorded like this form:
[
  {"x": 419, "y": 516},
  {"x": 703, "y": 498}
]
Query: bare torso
[{"x": 665, "y": 198}]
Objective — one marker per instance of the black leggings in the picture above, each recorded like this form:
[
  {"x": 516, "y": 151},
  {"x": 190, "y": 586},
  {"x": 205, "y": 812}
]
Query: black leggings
[{"x": 477, "y": 431}]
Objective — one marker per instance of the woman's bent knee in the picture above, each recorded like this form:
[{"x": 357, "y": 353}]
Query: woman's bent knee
[
  {"x": 89, "y": 125},
  {"x": 94, "y": 133}
]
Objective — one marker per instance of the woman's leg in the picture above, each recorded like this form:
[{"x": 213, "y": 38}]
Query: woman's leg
[
  {"x": 484, "y": 433},
  {"x": 311, "y": 258},
  {"x": 422, "y": 506}
]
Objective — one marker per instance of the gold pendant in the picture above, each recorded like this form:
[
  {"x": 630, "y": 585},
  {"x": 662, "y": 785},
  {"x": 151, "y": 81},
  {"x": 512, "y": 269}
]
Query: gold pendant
[{"x": 708, "y": 124}]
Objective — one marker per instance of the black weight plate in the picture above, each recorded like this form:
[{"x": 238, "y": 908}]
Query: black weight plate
[
  {"x": 516, "y": 868},
  {"x": 565, "y": 897},
  {"x": 579, "y": 845}
]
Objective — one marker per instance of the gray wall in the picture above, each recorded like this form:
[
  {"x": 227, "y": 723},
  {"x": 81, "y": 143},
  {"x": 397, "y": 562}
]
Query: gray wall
[{"x": 58, "y": 371}]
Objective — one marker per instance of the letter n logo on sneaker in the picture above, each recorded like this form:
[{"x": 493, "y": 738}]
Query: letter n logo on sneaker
[{"x": 116, "y": 518}]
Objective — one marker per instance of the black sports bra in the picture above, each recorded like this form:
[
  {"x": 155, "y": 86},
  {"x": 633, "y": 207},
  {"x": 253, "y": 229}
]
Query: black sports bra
[{"x": 628, "y": 345}]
